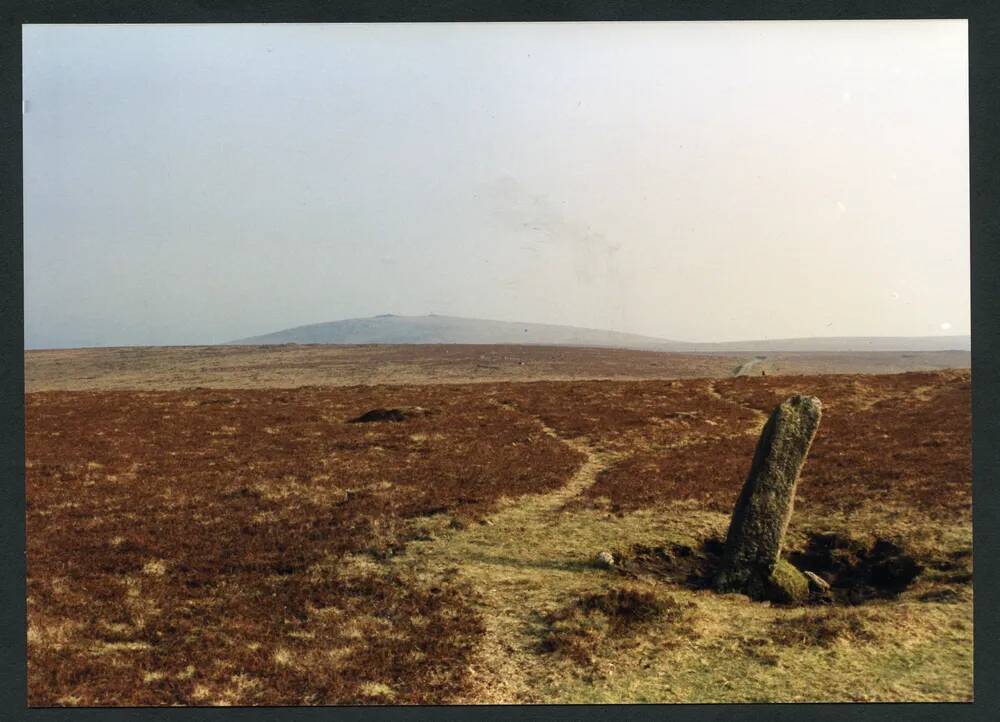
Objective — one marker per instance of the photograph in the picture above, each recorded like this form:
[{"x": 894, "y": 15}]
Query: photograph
[{"x": 497, "y": 363}]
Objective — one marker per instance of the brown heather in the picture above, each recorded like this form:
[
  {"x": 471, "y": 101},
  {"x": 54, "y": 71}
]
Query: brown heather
[
  {"x": 900, "y": 438},
  {"x": 251, "y": 546},
  {"x": 189, "y": 544}
]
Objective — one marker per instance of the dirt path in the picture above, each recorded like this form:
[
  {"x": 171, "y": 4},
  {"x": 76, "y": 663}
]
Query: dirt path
[
  {"x": 747, "y": 367},
  {"x": 594, "y": 463},
  {"x": 761, "y": 417},
  {"x": 526, "y": 558}
]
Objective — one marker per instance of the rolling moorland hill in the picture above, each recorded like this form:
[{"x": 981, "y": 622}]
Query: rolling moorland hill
[{"x": 434, "y": 329}]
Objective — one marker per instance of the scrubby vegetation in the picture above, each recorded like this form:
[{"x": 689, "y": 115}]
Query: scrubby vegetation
[
  {"x": 255, "y": 547},
  {"x": 187, "y": 547},
  {"x": 827, "y": 626},
  {"x": 904, "y": 438},
  {"x": 596, "y": 620}
]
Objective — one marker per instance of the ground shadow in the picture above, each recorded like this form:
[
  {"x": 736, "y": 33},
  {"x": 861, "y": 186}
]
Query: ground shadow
[
  {"x": 854, "y": 570},
  {"x": 563, "y": 565}
]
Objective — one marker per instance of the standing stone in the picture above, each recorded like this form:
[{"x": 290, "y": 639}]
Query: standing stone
[{"x": 753, "y": 543}]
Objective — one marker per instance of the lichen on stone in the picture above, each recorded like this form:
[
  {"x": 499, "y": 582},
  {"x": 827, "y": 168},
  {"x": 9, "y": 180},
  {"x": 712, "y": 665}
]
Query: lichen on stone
[
  {"x": 762, "y": 512},
  {"x": 786, "y": 584}
]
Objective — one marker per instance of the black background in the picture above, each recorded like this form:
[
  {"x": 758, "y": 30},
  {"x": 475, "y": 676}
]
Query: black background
[{"x": 984, "y": 153}]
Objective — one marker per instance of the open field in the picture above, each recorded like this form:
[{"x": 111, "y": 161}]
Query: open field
[
  {"x": 291, "y": 365},
  {"x": 254, "y": 546}
]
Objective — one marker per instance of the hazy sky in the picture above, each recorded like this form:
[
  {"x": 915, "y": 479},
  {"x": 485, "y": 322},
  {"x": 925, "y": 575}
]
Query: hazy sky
[{"x": 694, "y": 181}]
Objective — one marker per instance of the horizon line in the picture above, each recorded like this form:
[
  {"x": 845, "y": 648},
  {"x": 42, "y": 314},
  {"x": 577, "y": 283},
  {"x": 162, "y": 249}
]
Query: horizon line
[{"x": 586, "y": 328}]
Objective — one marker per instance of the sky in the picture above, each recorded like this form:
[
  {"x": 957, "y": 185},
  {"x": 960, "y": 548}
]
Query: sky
[{"x": 715, "y": 181}]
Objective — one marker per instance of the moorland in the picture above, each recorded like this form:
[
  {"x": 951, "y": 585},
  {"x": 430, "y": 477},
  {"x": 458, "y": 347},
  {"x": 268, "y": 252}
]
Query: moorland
[{"x": 196, "y": 540}]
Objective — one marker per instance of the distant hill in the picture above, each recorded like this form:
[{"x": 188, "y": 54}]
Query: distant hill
[
  {"x": 390, "y": 329},
  {"x": 433, "y": 329}
]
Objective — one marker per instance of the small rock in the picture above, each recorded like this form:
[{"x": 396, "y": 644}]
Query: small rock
[
  {"x": 816, "y": 582},
  {"x": 604, "y": 560},
  {"x": 786, "y": 585},
  {"x": 457, "y": 523}
]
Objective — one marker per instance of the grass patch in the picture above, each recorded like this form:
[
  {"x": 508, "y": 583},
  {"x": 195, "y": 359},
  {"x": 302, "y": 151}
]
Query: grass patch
[
  {"x": 827, "y": 626},
  {"x": 582, "y": 629}
]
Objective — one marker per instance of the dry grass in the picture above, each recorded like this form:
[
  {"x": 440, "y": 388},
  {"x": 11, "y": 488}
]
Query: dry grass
[
  {"x": 179, "y": 367},
  {"x": 173, "y": 368},
  {"x": 252, "y": 547},
  {"x": 597, "y": 620},
  {"x": 827, "y": 626}
]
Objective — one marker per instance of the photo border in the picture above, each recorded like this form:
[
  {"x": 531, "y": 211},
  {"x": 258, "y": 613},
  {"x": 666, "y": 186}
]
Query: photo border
[{"x": 984, "y": 155}]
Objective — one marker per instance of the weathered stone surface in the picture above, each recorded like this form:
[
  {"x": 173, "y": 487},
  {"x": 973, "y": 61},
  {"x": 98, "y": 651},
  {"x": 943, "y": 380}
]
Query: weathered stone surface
[
  {"x": 764, "y": 507},
  {"x": 816, "y": 582},
  {"x": 604, "y": 560},
  {"x": 785, "y": 585}
]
